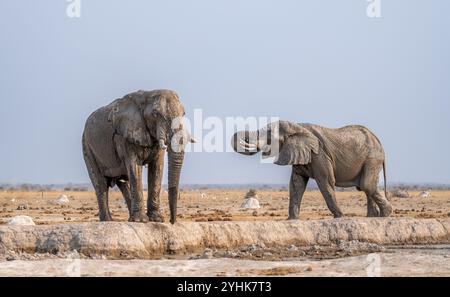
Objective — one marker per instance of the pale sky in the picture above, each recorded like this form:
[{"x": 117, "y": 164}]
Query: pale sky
[{"x": 323, "y": 62}]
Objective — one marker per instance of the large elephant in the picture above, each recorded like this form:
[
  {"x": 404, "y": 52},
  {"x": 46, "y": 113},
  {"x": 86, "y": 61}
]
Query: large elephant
[
  {"x": 344, "y": 157},
  {"x": 123, "y": 136}
]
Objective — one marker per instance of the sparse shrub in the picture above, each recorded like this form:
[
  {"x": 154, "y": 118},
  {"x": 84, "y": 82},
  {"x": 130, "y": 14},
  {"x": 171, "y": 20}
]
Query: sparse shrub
[
  {"x": 79, "y": 189},
  {"x": 25, "y": 187},
  {"x": 250, "y": 193},
  {"x": 400, "y": 193}
]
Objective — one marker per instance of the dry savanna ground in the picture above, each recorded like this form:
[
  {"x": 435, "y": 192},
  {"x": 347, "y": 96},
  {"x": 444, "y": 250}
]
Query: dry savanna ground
[{"x": 211, "y": 205}]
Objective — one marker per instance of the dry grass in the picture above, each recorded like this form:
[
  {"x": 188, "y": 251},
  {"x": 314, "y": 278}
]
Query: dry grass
[{"x": 213, "y": 205}]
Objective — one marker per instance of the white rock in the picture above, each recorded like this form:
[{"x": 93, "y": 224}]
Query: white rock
[
  {"x": 207, "y": 254},
  {"x": 21, "y": 221},
  {"x": 13, "y": 200},
  {"x": 251, "y": 202},
  {"x": 424, "y": 194},
  {"x": 62, "y": 200},
  {"x": 203, "y": 195}
]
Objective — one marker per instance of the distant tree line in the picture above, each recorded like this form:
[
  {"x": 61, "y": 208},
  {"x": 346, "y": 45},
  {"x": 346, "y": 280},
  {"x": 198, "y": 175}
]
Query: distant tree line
[
  {"x": 26, "y": 187},
  {"x": 42, "y": 188}
]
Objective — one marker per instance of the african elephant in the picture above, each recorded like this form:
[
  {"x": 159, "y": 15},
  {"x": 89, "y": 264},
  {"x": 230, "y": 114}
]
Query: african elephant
[
  {"x": 123, "y": 136},
  {"x": 345, "y": 157}
]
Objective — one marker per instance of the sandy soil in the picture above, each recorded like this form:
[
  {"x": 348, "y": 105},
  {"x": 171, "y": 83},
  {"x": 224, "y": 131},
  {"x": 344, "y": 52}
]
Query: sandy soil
[
  {"x": 412, "y": 261},
  {"x": 212, "y": 205}
]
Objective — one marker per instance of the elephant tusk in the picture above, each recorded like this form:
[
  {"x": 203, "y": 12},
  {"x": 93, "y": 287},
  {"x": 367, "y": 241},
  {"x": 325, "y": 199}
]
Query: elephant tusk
[
  {"x": 247, "y": 147},
  {"x": 162, "y": 145},
  {"x": 246, "y": 144},
  {"x": 250, "y": 145}
]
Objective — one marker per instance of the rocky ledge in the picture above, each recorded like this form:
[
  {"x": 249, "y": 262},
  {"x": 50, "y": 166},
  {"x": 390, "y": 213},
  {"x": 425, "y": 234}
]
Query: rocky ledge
[{"x": 151, "y": 240}]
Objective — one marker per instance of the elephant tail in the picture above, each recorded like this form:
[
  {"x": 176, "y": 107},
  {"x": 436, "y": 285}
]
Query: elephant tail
[{"x": 385, "y": 179}]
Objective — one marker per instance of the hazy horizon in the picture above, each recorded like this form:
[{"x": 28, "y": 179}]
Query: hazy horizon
[{"x": 324, "y": 62}]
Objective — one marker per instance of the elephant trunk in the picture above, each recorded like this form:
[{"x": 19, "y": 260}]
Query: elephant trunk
[
  {"x": 175, "y": 160},
  {"x": 246, "y": 142}
]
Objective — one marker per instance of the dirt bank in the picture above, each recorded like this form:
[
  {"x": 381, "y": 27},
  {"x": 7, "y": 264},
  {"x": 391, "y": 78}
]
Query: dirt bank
[{"x": 147, "y": 241}]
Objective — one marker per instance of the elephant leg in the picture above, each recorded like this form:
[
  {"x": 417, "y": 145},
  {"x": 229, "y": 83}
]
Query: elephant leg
[
  {"x": 125, "y": 189},
  {"x": 372, "y": 208},
  {"x": 326, "y": 187},
  {"x": 324, "y": 175},
  {"x": 103, "y": 205},
  {"x": 155, "y": 173},
  {"x": 369, "y": 184},
  {"x": 383, "y": 204},
  {"x": 100, "y": 184},
  {"x": 102, "y": 193},
  {"x": 297, "y": 187},
  {"x": 137, "y": 200}
]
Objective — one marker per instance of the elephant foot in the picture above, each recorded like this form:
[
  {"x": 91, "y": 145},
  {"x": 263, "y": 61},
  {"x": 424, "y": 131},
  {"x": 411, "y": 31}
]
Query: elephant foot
[
  {"x": 106, "y": 218},
  {"x": 386, "y": 211},
  {"x": 291, "y": 218},
  {"x": 155, "y": 216},
  {"x": 138, "y": 217},
  {"x": 372, "y": 208},
  {"x": 338, "y": 215},
  {"x": 373, "y": 213}
]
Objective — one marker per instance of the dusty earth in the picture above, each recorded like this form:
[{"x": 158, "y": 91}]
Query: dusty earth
[
  {"x": 212, "y": 205},
  {"x": 407, "y": 261},
  {"x": 343, "y": 259}
]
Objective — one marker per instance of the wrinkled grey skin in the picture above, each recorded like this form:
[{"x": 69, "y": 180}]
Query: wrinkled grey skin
[
  {"x": 123, "y": 136},
  {"x": 351, "y": 156}
]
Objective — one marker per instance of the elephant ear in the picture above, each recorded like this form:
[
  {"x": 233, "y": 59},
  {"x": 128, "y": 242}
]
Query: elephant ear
[
  {"x": 298, "y": 148},
  {"x": 128, "y": 121}
]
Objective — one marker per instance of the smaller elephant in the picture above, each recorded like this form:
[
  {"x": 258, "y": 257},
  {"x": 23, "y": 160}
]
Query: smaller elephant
[{"x": 350, "y": 156}]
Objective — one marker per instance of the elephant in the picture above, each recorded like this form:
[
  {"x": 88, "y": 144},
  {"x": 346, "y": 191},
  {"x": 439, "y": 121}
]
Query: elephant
[
  {"x": 351, "y": 156},
  {"x": 131, "y": 132}
]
